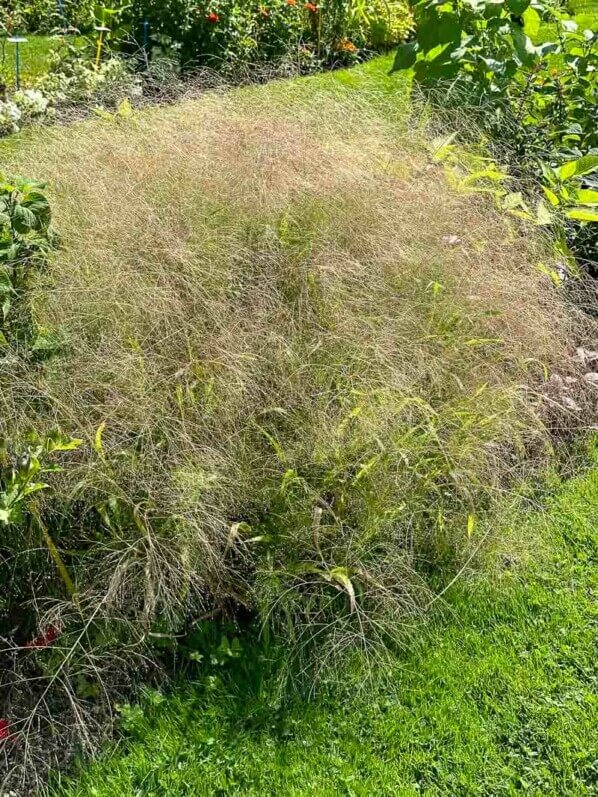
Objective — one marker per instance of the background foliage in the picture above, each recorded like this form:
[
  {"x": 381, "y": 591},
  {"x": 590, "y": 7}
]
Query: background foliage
[
  {"x": 527, "y": 74},
  {"x": 43, "y": 16},
  {"x": 218, "y": 32}
]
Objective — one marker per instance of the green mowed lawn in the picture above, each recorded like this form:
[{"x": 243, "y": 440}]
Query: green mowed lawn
[
  {"x": 499, "y": 696},
  {"x": 34, "y": 55}
]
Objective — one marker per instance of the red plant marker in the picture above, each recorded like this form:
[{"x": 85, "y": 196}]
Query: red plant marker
[
  {"x": 4, "y": 730},
  {"x": 44, "y": 640}
]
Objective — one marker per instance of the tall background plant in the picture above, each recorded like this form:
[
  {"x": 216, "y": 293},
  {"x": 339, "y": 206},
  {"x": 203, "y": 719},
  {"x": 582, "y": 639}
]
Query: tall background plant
[{"x": 528, "y": 75}]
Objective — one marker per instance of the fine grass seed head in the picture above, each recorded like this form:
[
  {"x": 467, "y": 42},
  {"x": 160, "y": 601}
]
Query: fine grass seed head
[{"x": 294, "y": 395}]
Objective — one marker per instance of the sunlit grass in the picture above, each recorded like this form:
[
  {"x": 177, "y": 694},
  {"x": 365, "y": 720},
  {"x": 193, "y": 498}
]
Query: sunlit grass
[{"x": 35, "y": 57}]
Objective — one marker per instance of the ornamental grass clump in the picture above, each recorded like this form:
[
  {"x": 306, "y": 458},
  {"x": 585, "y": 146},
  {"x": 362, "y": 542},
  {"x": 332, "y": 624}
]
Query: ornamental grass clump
[{"x": 301, "y": 374}]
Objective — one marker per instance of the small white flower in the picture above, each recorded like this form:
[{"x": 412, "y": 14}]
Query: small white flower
[
  {"x": 10, "y": 116},
  {"x": 31, "y": 102}
]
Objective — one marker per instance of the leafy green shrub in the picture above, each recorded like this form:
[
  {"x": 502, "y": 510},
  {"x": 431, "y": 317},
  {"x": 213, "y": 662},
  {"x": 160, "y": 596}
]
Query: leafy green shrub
[
  {"x": 224, "y": 33},
  {"x": 26, "y": 238},
  {"x": 537, "y": 101},
  {"x": 389, "y": 23},
  {"x": 72, "y": 79},
  {"x": 43, "y": 16}
]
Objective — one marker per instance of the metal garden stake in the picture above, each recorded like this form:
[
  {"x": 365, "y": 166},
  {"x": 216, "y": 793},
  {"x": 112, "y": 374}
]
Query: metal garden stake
[{"x": 17, "y": 41}]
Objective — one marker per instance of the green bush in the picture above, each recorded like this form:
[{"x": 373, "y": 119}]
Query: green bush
[
  {"x": 225, "y": 32},
  {"x": 43, "y": 16},
  {"x": 536, "y": 101}
]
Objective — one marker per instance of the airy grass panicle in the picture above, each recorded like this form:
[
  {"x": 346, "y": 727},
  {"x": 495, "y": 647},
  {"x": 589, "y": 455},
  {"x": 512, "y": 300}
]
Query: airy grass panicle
[{"x": 304, "y": 369}]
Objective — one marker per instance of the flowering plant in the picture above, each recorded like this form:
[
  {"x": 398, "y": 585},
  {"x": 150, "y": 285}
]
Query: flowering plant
[
  {"x": 73, "y": 79},
  {"x": 31, "y": 102},
  {"x": 225, "y": 33},
  {"x": 10, "y": 116}
]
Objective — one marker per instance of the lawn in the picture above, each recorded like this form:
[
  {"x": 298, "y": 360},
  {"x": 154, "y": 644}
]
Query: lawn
[
  {"x": 35, "y": 55},
  {"x": 498, "y": 697}
]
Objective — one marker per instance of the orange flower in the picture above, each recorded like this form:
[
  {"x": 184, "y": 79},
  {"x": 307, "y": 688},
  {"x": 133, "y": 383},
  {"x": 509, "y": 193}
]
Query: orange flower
[
  {"x": 291, "y": 2},
  {"x": 347, "y": 46},
  {"x": 213, "y": 17},
  {"x": 312, "y": 8}
]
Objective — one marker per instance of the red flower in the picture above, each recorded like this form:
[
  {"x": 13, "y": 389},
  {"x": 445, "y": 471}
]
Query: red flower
[
  {"x": 311, "y": 7},
  {"x": 4, "y": 730},
  {"x": 213, "y": 17},
  {"x": 44, "y": 640}
]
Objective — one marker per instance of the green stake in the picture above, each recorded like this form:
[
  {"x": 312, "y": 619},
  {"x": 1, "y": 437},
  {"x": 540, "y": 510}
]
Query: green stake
[{"x": 17, "y": 41}]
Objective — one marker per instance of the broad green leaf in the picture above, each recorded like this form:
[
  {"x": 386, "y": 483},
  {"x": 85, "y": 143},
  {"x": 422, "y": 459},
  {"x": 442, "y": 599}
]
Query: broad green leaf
[
  {"x": 23, "y": 219},
  {"x": 518, "y": 6},
  {"x": 5, "y": 282},
  {"x": 550, "y": 196},
  {"x": 341, "y": 576},
  {"x": 33, "y": 488},
  {"x": 97, "y": 440},
  {"x": 445, "y": 29},
  {"x": 577, "y": 168},
  {"x": 583, "y": 214},
  {"x": 531, "y": 22},
  {"x": 587, "y": 196},
  {"x": 64, "y": 444},
  {"x": 524, "y": 46},
  {"x": 38, "y": 204},
  {"x": 25, "y": 186}
]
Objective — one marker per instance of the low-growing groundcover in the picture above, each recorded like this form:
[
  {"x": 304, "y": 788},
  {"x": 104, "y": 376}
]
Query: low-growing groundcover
[
  {"x": 499, "y": 696},
  {"x": 285, "y": 371}
]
